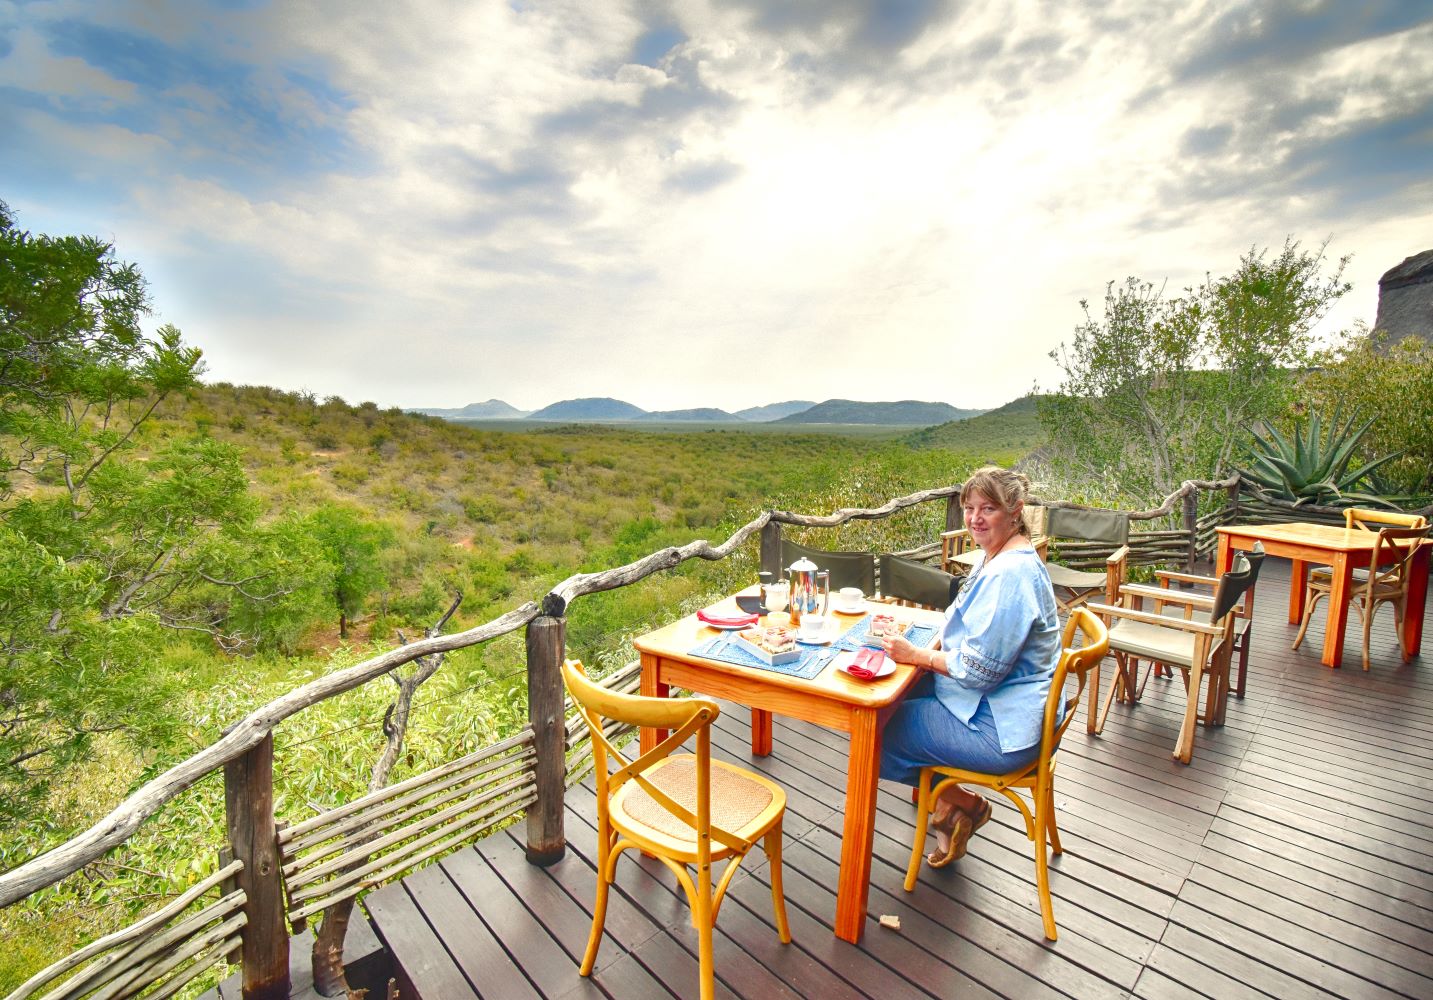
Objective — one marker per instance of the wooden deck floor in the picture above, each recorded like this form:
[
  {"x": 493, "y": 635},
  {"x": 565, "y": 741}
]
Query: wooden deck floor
[{"x": 1292, "y": 858}]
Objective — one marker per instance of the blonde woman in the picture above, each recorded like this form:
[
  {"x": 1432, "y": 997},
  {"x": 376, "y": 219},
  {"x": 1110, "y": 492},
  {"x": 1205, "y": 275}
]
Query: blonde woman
[{"x": 981, "y": 704}]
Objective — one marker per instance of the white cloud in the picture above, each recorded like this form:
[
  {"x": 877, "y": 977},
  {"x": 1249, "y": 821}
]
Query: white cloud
[{"x": 495, "y": 201}]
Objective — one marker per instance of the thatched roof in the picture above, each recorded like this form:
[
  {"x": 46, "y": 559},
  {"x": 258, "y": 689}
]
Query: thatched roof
[{"x": 1405, "y": 299}]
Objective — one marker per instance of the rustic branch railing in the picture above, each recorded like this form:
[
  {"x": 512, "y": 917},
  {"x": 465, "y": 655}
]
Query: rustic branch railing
[{"x": 418, "y": 819}]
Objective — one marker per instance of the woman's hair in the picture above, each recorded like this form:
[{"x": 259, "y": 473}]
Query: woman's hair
[{"x": 1009, "y": 489}]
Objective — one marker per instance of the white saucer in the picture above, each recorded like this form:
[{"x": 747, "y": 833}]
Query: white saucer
[
  {"x": 854, "y": 609},
  {"x": 845, "y": 660},
  {"x": 827, "y": 637}
]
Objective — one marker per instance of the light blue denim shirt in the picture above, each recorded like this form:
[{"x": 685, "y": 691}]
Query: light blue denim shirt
[{"x": 1001, "y": 643}]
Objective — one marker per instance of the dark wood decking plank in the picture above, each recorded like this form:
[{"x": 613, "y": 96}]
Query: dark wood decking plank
[
  {"x": 1223, "y": 954},
  {"x": 421, "y": 964},
  {"x": 1311, "y": 931},
  {"x": 991, "y": 925},
  {"x": 465, "y": 936},
  {"x": 527, "y": 941},
  {"x": 1276, "y": 954},
  {"x": 1297, "y": 883}
]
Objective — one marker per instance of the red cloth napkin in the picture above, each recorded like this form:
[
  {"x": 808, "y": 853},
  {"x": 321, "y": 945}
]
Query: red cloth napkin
[
  {"x": 867, "y": 664},
  {"x": 727, "y": 621}
]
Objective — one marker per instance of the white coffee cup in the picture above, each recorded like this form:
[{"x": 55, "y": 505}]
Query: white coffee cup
[
  {"x": 813, "y": 627},
  {"x": 850, "y": 597}
]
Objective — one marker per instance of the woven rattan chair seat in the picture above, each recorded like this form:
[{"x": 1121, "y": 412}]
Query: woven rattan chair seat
[{"x": 736, "y": 799}]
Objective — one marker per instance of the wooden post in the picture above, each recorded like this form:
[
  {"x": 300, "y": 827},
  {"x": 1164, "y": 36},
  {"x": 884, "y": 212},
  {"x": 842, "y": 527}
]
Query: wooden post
[
  {"x": 546, "y": 641},
  {"x": 954, "y": 516},
  {"x": 1191, "y": 525},
  {"x": 1233, "y": 514},
  {"x": 771, "y": 549},
  {"x": 249, "y": 813}
]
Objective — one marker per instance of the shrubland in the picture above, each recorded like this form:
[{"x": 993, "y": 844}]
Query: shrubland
[{"x": 175, "y": 554}]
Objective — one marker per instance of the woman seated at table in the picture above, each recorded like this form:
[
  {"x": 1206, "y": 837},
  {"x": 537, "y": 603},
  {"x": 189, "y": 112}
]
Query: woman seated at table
[{"x": 982, "y": 703}]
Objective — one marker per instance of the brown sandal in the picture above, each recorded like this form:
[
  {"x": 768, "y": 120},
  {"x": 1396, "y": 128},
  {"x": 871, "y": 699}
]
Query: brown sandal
[
  {"x": 958, "y": 826},
  {"x": 956, "y": 829}
]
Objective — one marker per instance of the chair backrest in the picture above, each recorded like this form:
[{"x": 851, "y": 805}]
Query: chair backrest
[
  {"x": 847, "y": 569},
  {"x": 1094, "y": 644},
  {"x": 906, "y": 580},
  {"x": 1396, "y": 548},
  {"x": 683, "y": 716},
  {"x": 1371, "y": 520},
  {"x": 1088, "y": 524},
  {"x": 1233, "y": 585}
]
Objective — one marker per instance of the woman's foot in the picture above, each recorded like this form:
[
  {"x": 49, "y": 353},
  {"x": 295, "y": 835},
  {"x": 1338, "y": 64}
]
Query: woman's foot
[{"x": 953, "y": 828}]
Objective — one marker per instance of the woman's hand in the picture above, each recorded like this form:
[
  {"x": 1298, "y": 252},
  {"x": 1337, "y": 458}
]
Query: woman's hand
[{"x": 902, "y": 651}]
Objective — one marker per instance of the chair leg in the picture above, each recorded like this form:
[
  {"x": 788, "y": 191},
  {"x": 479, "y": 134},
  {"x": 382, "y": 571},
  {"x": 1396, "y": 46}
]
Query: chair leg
[
  {"x": 1184, "y": 747},
  {"x": 1309, "y": 605},
  {"x": 599, "y": 908},
  {"x": 778, "y": 894},
  {"x": 923, "y": 807},
  {"x": 1053, "y": 832},
  {"x": 1043, "y": 820},
  {"x": 703, "y": 921},
  {"x": 1243, "y": 665}
]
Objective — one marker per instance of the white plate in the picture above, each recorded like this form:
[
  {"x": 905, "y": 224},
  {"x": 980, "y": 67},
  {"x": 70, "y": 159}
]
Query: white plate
[
  {"x": 845, "y": 660},
  {"x": 855, "y": 609},
  {"x": 728, "y": 628}
]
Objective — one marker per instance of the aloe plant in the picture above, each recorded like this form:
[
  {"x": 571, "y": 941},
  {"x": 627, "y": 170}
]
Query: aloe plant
[{"x": 1310, "y": 469}]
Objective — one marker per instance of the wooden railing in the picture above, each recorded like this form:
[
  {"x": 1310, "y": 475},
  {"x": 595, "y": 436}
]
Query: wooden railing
[{"x": 273, "y": 873}]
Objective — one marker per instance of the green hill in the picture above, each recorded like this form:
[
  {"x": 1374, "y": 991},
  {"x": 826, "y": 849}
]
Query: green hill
[
  {"x": 1001, "y": 435},
  {"x": 851, "y": 411}
]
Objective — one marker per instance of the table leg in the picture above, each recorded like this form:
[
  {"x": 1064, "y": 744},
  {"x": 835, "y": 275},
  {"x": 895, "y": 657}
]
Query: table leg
[
  {"x": 1298, "y": 589},
  {"x": 1415, "y": 602},
  {"x": 1226, "y": 556},
  {"x": 652, "y": 688},
  {"x": 858, "y": 833},
  {"x": 1338, "y": 610},
  {"x": 760, "y": 732}
]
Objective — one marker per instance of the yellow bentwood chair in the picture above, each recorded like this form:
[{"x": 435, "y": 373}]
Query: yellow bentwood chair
[
  {"x": 1039, "y": 777},
  {"x": 675, "y": 806},
  {"x": 1384, "y": 582}
]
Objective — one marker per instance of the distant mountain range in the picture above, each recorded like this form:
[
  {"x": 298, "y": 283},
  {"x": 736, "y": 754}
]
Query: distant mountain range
[
  {"x": 493, "y": 409},
  {"x": 604, "y": 409},
  {"x": 851, "y": 411}
]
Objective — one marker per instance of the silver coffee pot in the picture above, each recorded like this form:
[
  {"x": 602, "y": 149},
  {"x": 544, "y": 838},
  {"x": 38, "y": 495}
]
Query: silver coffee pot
[{"x": 810, "y": 589}]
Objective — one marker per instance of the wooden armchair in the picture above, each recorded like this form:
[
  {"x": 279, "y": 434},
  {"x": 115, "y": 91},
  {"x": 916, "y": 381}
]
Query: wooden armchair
[
  {"x": 1243, "y": 622},
  {"x": 1199, "y": 649}
]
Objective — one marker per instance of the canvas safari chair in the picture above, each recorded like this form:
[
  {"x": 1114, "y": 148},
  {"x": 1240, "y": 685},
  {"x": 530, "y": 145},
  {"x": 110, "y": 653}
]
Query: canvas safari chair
[
  {"x": 1243, "y": 623},
  {"x": 685, "y": 810},
  {"x": 1384, "y": 582},
  {"x": 1198, "y": 646},
  {"x": 958, "y": 551},
  {"x": 914, "y": 584},
  {"x": 1074, "y": 587},
  {"x": 1038, "y": 778},
  {"x": 847, "y": 569}
]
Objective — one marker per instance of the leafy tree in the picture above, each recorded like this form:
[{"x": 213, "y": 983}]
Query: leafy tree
[
  {"x": 1157, "y": 390},
  {"x": 102, "y": 553},
  {"x": 354, "y": 547},
  {"x": 1393, "y": 386}
]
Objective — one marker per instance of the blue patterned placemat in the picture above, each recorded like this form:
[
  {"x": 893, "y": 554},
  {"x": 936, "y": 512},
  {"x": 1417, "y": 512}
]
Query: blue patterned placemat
[
  {"x": 725, "y": 648},
  {"x": 916, "y": 635}
]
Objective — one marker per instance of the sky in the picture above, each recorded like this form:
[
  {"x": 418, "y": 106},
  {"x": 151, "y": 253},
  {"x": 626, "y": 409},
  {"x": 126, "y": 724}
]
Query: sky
[{"x": 712, "y": 203}]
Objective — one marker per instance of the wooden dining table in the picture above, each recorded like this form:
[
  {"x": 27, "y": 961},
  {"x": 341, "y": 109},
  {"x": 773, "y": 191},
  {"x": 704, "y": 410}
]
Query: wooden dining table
[
  {"x": 1343, "y": 550},
  {"x": 831, "y": 698}
]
